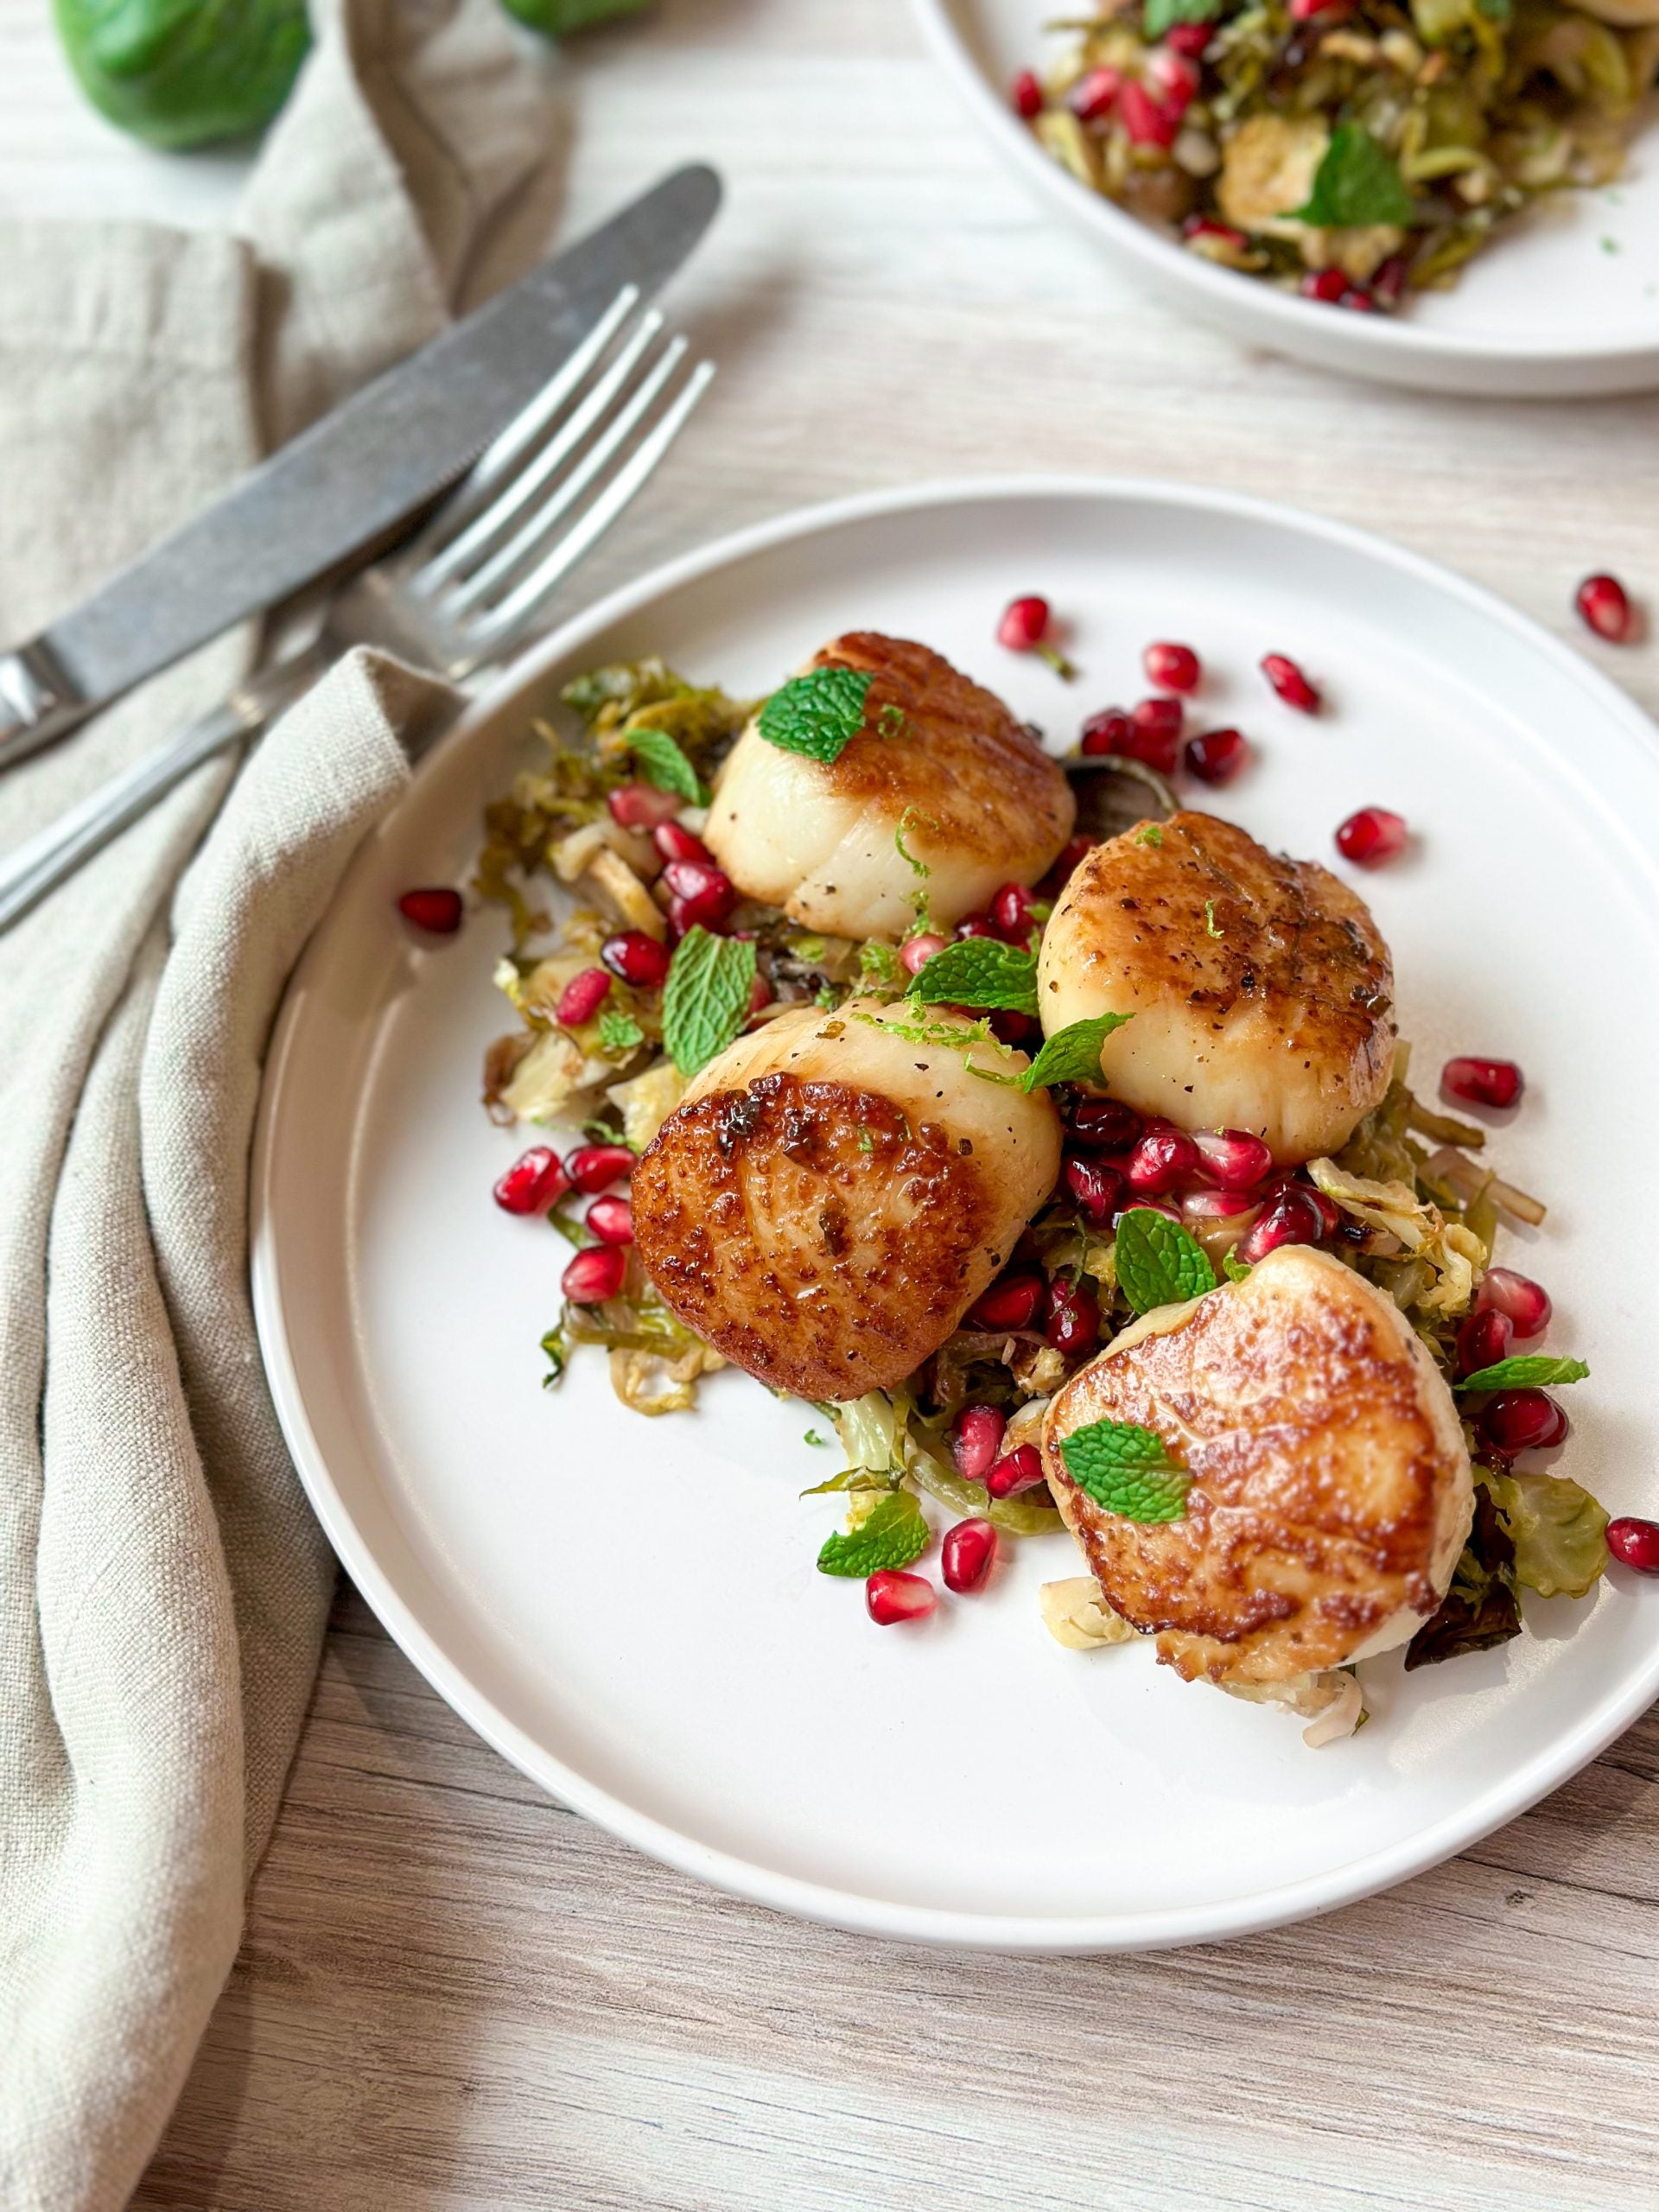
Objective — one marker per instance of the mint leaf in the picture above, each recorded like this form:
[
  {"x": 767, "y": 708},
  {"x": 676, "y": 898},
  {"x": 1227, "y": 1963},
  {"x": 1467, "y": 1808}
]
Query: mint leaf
[
  {"x": 893, "y": 1534},
  {"x": 979, "y": 971},
  {"x": 1530, "y": 1369},
  {"x": 619, "y": 1033},
  {"x": 818, "y": 714},
  {"x": 1235, "y": 1270},
  {"x": 706, "y": 997},
  {"x": 1071, "y": 1054},
  {"x": 1127, "y": 1469},
  {"x": 1160, "y": 15},
  {"x": 1356, "y": 183},
  {"x": 1158, "y": 1262},
  {"x": 665, "y": 765}
]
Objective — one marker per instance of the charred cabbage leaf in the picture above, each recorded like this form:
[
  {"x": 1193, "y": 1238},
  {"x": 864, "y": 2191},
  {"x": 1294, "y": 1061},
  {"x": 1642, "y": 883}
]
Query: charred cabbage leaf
[{"x": 1479, "y": 1610}]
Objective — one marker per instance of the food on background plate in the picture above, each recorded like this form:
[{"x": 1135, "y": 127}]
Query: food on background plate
[
  {"x": 1098, "y": 1202},
  {"x": 1355, "y": 150}
]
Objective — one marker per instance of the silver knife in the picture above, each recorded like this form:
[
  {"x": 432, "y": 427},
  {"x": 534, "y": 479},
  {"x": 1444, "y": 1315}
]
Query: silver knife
[{"x": 340, "y": 486}]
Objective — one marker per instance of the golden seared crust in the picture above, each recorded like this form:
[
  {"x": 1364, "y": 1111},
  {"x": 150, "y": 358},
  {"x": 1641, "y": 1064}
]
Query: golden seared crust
[
  {"x": 1261, "y": 986},
  {"x": 810, "y": 1234},
  {"x": 1330, "y": 1491}
]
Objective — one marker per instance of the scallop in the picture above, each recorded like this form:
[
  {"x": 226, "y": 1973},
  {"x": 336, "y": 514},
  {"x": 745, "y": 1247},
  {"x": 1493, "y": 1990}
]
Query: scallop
[
  {"x": 837, "y": 1189},
  {"x": 1330, "y": 1489},
  {"x": 1261, "y": 989},
  {"x": 937, "y": 759}
]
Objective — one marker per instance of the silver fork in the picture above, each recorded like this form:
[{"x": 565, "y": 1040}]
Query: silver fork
[{"x": 460, "y": 596}]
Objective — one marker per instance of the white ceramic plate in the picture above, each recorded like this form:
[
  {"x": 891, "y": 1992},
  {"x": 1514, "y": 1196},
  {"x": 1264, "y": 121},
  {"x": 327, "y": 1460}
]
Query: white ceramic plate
[
  {"x": 1567, "y": 305},
  {"x": 629, "y": 1609}
]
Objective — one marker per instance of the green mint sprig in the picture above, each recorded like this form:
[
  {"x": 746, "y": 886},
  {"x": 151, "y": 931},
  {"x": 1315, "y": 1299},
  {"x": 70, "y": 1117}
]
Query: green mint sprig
[
  {"x": 1127, "y": 1469},
  {"x": 1159, "y": 16},
  {"x": 891, "y": 1534},
  {"x": 619, "y": 1033},
  {"x": 817, "y": 715},
  {"x": 665, "y": 764},
  {"x": 1072, "y": 1054},
  {"x": 1159, "y": 1263},
  {"x": 1357, "y": 183},
  {"x": 982, "y": 972},
  {"x": 706, "y": 996},
  {"x": 1528, "y": 1371}
]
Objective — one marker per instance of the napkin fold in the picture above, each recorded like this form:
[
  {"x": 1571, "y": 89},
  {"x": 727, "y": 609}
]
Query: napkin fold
[{"x": 163, "y": 1588}]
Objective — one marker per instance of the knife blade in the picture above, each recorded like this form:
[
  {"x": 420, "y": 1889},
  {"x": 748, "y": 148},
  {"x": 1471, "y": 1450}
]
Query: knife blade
[{"x": 352, "y": 477}]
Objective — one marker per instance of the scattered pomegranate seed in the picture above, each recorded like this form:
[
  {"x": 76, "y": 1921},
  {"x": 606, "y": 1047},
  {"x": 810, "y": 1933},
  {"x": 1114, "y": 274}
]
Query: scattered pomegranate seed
[
  {"x": 675, "y": 843},
  {"x": 1605, "y": 604},
  {"x": 1106, "y": 1122},
  {"x": 641, "y": 806},
  {"x": 1076, "y": 850},
  {"x": 1329, "y": 1212},
  {"x": 1014, "y": 914},
  {"x": 966, "y": 1556},
  {"x": 1197, "y": 228},
  {"x": 1025, "y": 96},
  {"x": 916, "y": 951},
  {"x": 1288, "y": 681},
  {"x": 611, "y": 1220},
  {"x": 1218, "y": 1206},
  {"x": 699, "y": 894},
  {"x": 1325, "y": 284},
  {"x": 891, "y": 1597},
  {"x": 1108, "y": 731},
  {"x": 1232, "y": 1159},
  {"x": 1635, "y": 1544},
  {"x": 1014, "y": 1472},
  {"x": 1293, "y": 1219},
  {"x": 1009, "y": 1027},
  {"x": 1217, "y": 756},
  {"x": 1358, "y": 300},
  {"x": 1138, "y": 1203},
  {"x": 1190, "y": 39},
  {"x": 1305, "y": 11},
  {"x": 637, "y": 959},
  {"x": 593, "y": 1167},
  {"x": 1525, "y": 1302},
  {"x": 533, "y": 1183},
  {"x": 1522, "y": 1420},
  {"x": 1094, "y": 94},
  {"x": 594, "y": 1274},
  {"x": 1073, "y": 1323},
  {"x": 437, "y": 910},
  {"x": 1159, "y": 1159},
  {"x": 1371, "y": 835},
  {"x": 1483, "y": 1338},
  {"x": 1174, "y": 79},
  {"x": 1097, "y": 1188},
  {"x": 760, "y": 996},
  {"x": 1390, "y": 280},
  {"x": 1171, "y": 668},
  {"x": 977, "y": 1441},
  {"x": 582, "y": 998},
  {"x": 1482, "y": 1083},
  {"x": 975, "y": 926},
  {"x": 1024, "y": 629},
  {"x": 1010, "y": 1304},
  {"x": 1146, "y": 120}
]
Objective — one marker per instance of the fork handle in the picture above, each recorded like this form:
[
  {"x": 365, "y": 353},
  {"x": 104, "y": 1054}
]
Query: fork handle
[{"x": 43, "y": 862}]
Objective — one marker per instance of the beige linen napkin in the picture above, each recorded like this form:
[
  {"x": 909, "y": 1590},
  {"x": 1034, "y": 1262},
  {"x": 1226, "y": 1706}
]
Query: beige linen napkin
[{"x": 162, "y": 1586}]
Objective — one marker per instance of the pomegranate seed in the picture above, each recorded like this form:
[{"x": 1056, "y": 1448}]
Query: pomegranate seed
[
  {"x": 1483, "y": 1338},
  {"x": 1358, "y": 300},
  {"x": 1605, "y": 604},
  {"x": 1290, "y": 684},
  {"x": 1167, "y": 1207},
  {"x": 760, "y": 995},
  {"x": 1635, "y": 1544},
  {"x": 966, "y": 1556},
  {"x": 1010, "y": 1027},
  {"x": 1217, "y": 756},
  {"x": 1482, "y": 1083},
  {"x": 1159, "y": 1159},
  {"x": 1025, "y": 96},
  {"x": 674, "y": 842},
  {"x": 1010, "y": 1304},
  {"x": 977, "y": 1441},
  {"x": 1095, "y": 95},
  {"x": 1148, "y": 122},
  {"x": 1016, "y": 1471},
  {"x": 1024, "y": 625},
  {"x": 699, "y": 895},
  {"x": 1390, "y": 280},
  {"x": 890, "y": 1598},
  {"x": 1171, "y": 668},
  {"x": 1305, "y": 11},
  {"x": 1111, "y": 731},
  {"x": 582, "y": 998},
  {"x": 1106, "y": 1122},
  {"x": 1371, "y": 835},
  {"x": 1174, "y": 79},
  {"x": 1073, "y": 1323},
  {"x": 975, "y": 926},
  {"x": 594, "y": 1274},
  {"x": 1522, "y": 1420},
  {"x": 1232, "y": 1159},
  {"x": 1096, "y": 1188},
  {"x": 1218, "y": 1206},
  {"x": 1012, "y": 915},
  {"x": 533, "y": 1183},
  {"x": 1155, "y": 733},
  {"x": 593, "y": 1167},
  {"x": 1293, "y": 1219},
  {"x": 637, "y": 959},
  {"x": 1325, "y": 284},
  {"x": 641, "y": 806},
  {"x": 916, "y": 951},
  {"x": 611, "y": 1220},
  {"x": 1526, "y": 1303},
  {"x": 1202, "y": 227},
  {"x": 1190, "y": 39},
  {"x": 1329, "y": 1211},
  {"x": 1077, "y": 850},
  {"x": 438, "y": 911}
]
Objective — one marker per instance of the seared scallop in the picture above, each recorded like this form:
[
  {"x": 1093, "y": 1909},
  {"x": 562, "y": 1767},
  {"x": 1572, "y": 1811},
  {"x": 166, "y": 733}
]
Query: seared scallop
[
  {"x": 1260, "y": 987},
  {"x": 937, "y": 758},
  {"x": 833, "y": 1193},
  {"x": 1329, "y": 1491}
]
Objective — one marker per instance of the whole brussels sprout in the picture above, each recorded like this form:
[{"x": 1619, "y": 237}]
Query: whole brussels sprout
[
  {"x": 177, "y": 73},
  {"x": 555, "y": 17}
]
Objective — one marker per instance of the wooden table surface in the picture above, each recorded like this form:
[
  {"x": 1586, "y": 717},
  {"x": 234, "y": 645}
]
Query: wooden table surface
[{"x": 454, "y": 1994}]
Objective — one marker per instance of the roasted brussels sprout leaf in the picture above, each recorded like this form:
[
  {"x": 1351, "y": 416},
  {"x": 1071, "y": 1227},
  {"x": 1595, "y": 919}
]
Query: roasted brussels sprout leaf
[{"x": 1479, "y": 1610}]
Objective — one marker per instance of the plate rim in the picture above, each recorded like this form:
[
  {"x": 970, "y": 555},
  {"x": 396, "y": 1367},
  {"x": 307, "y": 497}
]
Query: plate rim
[
  {"x": 1021, "y": 1933},
  {"x": 1303, "y": 326}
]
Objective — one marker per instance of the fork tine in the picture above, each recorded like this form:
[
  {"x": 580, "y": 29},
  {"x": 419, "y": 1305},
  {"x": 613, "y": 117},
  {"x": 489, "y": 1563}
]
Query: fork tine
[{"x": 492, "y": 631}]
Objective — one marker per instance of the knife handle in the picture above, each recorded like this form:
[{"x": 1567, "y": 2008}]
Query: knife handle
[{"x": 37, "y": 702}]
